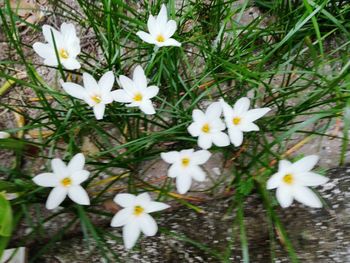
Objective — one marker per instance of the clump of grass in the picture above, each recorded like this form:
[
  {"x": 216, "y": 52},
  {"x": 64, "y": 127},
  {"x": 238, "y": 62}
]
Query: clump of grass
[{"x": 292, "y": 58}]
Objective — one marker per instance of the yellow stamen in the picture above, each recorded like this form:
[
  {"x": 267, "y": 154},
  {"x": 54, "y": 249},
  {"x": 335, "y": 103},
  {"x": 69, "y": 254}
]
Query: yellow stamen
[
  {"x": 185, "y": 161},
  {"x": 138, "y": 210},
  {"x": 236, "y": 120},
  {"x": 138, "y": 97},
  {"x": 96, "y": 98},
  {"x": 288, "y": 179},
  {"x": 63, "y": 53},
  {"x": 206, "y": 128},
  {"x": 66, "y": 182},
  {"x": 160, "y": 38}
]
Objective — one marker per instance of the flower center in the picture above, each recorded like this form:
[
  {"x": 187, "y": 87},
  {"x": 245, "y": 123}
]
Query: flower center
[
  {"x": 138, "y": 97},
  {"x": 66, "y": 182},
  {"x": 185, "y": 161},
  {"x": 96, "y": 98},
  {"x": 236, "y": 120},
  {"x": 63, "y": 53},
  {"x": 288, "y": 179},
  {"x": 160, "y": 38},
  {"x": 138, "y": 210},
  {"x": 206, "y": 128}
]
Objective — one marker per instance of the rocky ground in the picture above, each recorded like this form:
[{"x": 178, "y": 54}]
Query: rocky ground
[{"x": 318, "y": 235}]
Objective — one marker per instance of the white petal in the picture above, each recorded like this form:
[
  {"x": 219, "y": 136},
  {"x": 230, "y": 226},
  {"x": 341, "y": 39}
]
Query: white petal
[
  {"x": 205, "y": 141},
  {"x": 236, "y": 136},
  {"x": 151, "y": 92},
  {"x": 68, "y": 30},
  {"x": 70, "y": 63},
  {"x": 198, "y": 116},
  {"x": 227, "y": 110},
  {"x": 78, "y": 195},
  {"x": 152, "y": 27},
  {"x": 306, "y": 196},
  {"x": 4, "y": 135},
  {"x": 74, "y": 90},
  {"x": 127, "y": 84},
  {"x": 174, "y": 171},
  {"x": 77, "y": 163},
  {"x": 46, "y": 180},
  {"x": 44, "y": 50},
  {"x": 197, "y": 173},
  {"x": 248, "y": 126},
  {"x": 171, "y": 42},
  {"x": 241, "y": 106},
  {"x": 274, "y": 181},
  {"x": 56, "y": 197},
  {"x": 147, "y": 107},
  {"x": 146, "y": 37},
  {"x": 311, "y": 179},
  {"x": 51, "y": 61},
  {"x": 183, "y": 183},
  {"x": 186, "y": 152},
  {"x": 170, "y": 157},
  {"x": 214, "y": 111},
  {"x": 139, "y": 78},
  {"x": 121, "y": 96},
  {"x": 48, "y": 31},
  {"x": 106, "y": 82},
  {"x": 284, "y": 165},
  {"x": 131, "y": 232},
  {"x": 155, "y": 206},
  {"x": 79, "y": 176},
  {"x": 284, "y": 196},
  {"x": 143, "y": 198},
  {"x": 125, "y": 200},
  {"x": 169, "y": 29},
  {"x": 59, "y": 167},
  {"x": 255, "y": 114},
  {"x": 305, "y": 164},
  {"x": 200, "y": 157},
  {"x": 90, "y": 83},
  {"x": 194, "y": 129},
  {"x": 220, "y": 139},
  {"x": 99, "y": 111},
  {"x": 162, "y": 17},
  {"x": 148, "y": 225},
  {"x": 122, "y": 217}
]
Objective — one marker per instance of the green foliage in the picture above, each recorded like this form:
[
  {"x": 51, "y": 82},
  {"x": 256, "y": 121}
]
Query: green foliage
[{"x": 5, "y": 222}]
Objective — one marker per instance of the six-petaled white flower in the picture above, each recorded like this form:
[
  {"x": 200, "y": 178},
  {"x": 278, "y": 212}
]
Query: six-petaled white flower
[
  {"x": 135, "y": 218},
  {"x": 97, "y": 95},
  {"x": 185, "y": 166},
  {"x": 135, "y": 92},
  {"x": 65, "y": 179},
  {"x": 208, "y": 127},
  {"x": 240, "y": 119},
  {"x": 292, "y": 181},
  {"x": 160, "y": 30},
  {"x": 67, "y": 46}
]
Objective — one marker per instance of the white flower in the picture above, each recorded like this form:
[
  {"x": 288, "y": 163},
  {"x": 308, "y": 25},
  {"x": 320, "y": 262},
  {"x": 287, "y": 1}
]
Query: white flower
[
  {"x": 160, "y": 30},
  {"x": 67, "y": 45},
  {"x": 135, "y": 91},
  {"x": 185, "y": 166},
  {"x": 240, "y": 119},
  {"x": 4, "y": 135},
  {"x": 65, "y": 179},
  {"x": 135, "y": 216},
  {"x": 208, "y": 127},
  {"x": 97, "y": 95},
  {"x": 292, "y": 180}
]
